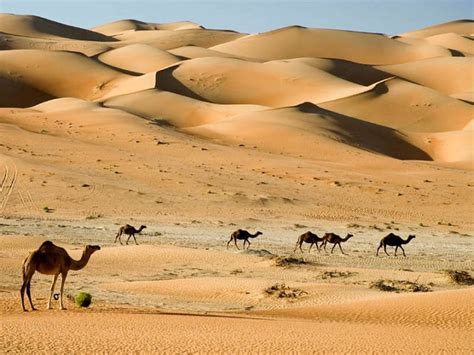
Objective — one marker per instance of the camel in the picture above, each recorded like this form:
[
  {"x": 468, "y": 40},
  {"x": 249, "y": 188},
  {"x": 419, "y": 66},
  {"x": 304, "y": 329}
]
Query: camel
[
  {"x": 50, "y": 259},
  {"x": 394, "y": 241},
  {"x": 334, "y": 239},
  {"x": 241, "y": 234},
  {"x": 130, "y": 230},
  {"x": 308, "y": 237}
]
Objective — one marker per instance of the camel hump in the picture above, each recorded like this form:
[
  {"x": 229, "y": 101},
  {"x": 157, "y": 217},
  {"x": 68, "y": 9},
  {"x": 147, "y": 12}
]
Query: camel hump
[{"x": 46, "y": 245}]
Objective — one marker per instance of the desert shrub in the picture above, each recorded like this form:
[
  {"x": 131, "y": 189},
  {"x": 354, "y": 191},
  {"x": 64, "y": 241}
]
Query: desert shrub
[
  {"x": 399, "y": 286},
  {"x": 332, "y": 274},
  {"x": 83, "y": 299},
  {"x": 460, "y": 277},
  {"x": 289, "y": 261},
  {"x": 280, "y": 290}
]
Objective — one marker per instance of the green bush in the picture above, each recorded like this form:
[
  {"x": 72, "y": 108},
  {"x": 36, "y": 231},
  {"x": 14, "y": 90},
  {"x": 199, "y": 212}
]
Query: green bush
[{"x": 83, "y": 299}]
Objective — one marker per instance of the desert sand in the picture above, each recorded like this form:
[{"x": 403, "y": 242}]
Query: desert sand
[{"x": 197, "y": 132}]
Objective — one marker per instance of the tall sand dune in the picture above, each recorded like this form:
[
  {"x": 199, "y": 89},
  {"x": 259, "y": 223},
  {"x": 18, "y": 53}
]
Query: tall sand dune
[
  {"x": 448, "y": 75},
  {"x": 403, "y": 105},
  {"x": 312, "y": 132},
  {"x": 179, "y": 111},
  {"x": 360, "y": 47},
  {"x": 462, "y": 27},
  {"x": 39, "y": 27},
  {"x": 116, "y": 27},
  {"x": 231, "y": 81},
  {"x": 138, "y": 58},
  {"x": 58, "y": 74},
  {"x": 462, "y": 44},
  {"x": 168, "y": 39}
]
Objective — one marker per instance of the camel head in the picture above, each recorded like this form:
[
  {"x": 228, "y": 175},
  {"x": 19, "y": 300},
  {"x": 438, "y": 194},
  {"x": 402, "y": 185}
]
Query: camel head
[
  {"x": 142, "y": 227},
  {"x": 410, "y": 237},
  {"x": 258, "y": 233},
  {"x": 349, "y": 236},
  {"x": 91, "y": 249}
]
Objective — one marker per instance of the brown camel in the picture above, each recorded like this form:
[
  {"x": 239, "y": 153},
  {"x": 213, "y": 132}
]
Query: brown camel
[
  {"x": 308, "y": 237},
  {"x": 50, "y": 259},
  {"x": 130, "y": 231},
  {"x": 394, "y": 241},
  {"x": 334, "y": 239},
  {"x": 241, "y": 234}
]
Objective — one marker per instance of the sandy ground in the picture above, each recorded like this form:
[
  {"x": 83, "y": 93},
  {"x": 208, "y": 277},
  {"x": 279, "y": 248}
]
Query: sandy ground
[{"x": 196, "y": 133}]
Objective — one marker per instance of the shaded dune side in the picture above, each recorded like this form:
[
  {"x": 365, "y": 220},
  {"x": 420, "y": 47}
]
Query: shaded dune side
[
  {"x": 313, "y": 132},
  {"x": 34, "y": 26},
  {"x": 296, "y": 42},
  {"x": 58, "y": 74},
  {"x": 231, "y": 81},
  {"x": 138, "y": 58},
  {"x": 403, "y": 105},
  {"x": 17, "y": 94},
  {"x": 179, "y": 111},
  {"x": 115, "y": 27},
  {"x": 190, "y": 52}
]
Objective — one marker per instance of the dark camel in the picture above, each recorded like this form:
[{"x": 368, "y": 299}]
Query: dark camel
[
  {"x": 394, "y": 241},
  {"x": 308, "y": 237},
  {"x": 241, "y": 234},
  {"x": 334, "y": 239},
  {"x": 50, "y": 259},
  {"x": 130, "y": 231}
]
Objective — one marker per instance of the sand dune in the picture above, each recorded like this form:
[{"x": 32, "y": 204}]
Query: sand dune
[
  {"x": 116, "y": 27},
  {"x": 34, "y": 26},
  {"x": 138, "y": 58},
  {"x": 462, "y": 27},
  {"x": 231, "y": 81},
  {"x": 454, "y": 41},
  {"x": 190, "y": 52},
  {"x": 312, "y": 131},
  {"x": 179, "y": 111},
  {"x": 294, "y": 42},
  {"x": 51, "y": 72},
  {"x": 402, "y": 105},
  {"x": 448, "y": 75},
  {"x": 168, "y": 39}
]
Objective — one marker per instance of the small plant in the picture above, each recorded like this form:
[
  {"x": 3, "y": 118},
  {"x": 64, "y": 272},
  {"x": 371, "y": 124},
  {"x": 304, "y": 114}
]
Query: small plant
[
  {"x": 399, "y": 286},
  {"x": 460, "y": 277},
  {"x": 83, "y": 299},
  {"x": 47, "y": 209},
  {"x": 289, "y": 261},
  {"x": 332, "y": 274},
  {"x": 280, "y": 290}
]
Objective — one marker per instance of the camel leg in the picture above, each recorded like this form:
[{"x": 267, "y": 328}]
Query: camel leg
[
  {"x": 248, "y": 242},
  {"x": 28, "y": 292},
  {"x": 63, "y": 279},
  {"x": 385, "y": 249},
  {"x": 377, "y": 254},
  {"x": 311, "y": 245},
  {"x": 333, "y": 248},
  {"x": 135, "y": 239},
  {"x": 296, "y": 246},
  {"x": 342, "y": 251},
  {"x": 396, "y": 248},
  {"x": 52, "y": 290},
  {"x": 229, "y": 242},
  {"x": 317, "y": 247},
  {"x": 22, "y": 293},
  {"x": 235, "y": 242},
  {"x": 403, "y": 251},
  {"x": 116, "y": 237}
]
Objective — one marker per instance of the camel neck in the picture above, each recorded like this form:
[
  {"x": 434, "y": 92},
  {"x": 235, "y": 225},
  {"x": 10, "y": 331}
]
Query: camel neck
[{"x": 79, "y": 264}]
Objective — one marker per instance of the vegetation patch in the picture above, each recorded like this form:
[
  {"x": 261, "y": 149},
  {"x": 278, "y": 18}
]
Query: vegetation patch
[
  {"x": 289, "y": 261},
  {"x": 399, "y": 286},
  {"x": 460, "y": 277},
  {"x": 280, "y": 290},
  {"x": 334, "y": 274},
  {"x": 83, "y": 299}
]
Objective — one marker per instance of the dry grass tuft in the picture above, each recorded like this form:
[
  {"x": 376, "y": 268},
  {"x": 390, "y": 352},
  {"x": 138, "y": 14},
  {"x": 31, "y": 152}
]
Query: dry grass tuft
[
  {"x": 280, "y": 290},
  {"x": 460, "y": 277},
  {"x": 399, "y": 286}
]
